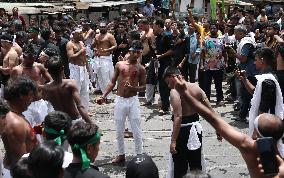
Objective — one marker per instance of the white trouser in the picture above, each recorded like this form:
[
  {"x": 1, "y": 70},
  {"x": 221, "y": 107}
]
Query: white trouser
[
  {"x": 80, "y": 74},
  {"x": 128, "y": 107},
  {"x": 105, "y": 70},
  {"x": 37, "y": 111},
  {"x": 150, "y": 89}
]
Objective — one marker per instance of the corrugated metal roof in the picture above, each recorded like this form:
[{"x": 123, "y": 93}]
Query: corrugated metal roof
[
  {"x": 85, "y": 4},
  {"x": 26, "y": 8}
]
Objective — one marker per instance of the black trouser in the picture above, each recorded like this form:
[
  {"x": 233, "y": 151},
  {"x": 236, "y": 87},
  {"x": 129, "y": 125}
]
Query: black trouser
[
  {"x": 217, "y": 75},
  {"x": 184, "y": 71},
  {"x": 184, "y": 157},
  {"x": 192, "y": 72},
  {"x": 163, "y": 89},
  {"x": 201, "y": 79},
  {"x": 280, "y": 79}
]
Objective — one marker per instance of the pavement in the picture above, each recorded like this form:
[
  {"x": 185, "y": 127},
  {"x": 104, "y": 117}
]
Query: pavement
[{"x": 222, "y": 159}]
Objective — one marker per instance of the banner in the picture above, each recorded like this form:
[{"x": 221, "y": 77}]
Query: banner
[{"x": 223, "y": 6}]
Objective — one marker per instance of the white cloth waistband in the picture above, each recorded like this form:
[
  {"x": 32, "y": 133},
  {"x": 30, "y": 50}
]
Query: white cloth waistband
[
  {"x": 105, "y": 57},
  {"x": 193, "y": 142},
  {"x": 129, "y": 98}
]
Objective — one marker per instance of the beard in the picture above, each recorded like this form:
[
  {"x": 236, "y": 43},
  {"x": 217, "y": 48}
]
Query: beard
[{"x": 103, "y": 31}]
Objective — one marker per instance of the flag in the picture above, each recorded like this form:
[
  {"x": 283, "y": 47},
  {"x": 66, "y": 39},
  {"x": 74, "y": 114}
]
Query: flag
[
  {"x": 223, "y": 6},
  {"x": 213, "y": 5}
]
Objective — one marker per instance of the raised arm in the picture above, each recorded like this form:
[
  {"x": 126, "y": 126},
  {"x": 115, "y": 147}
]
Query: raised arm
[
  {"x": 233, "y": 136},
  {"x": 70, "y": 51}
]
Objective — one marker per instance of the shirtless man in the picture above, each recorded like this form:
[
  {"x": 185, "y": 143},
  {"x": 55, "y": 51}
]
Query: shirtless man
[
  {"x": 104, "y": 45},
  {"x": 4, "y": 109},
  {"x": 60, "y": 88},
  {"x": 78, "y": 65},
  {"x": 18, "y": 136},
  {"x": 268, "y": 126},
  {"x": 184, "y": 153},
  {"x": 10, "y": 57},
  {"x": 88, "y": 35},
  {"x": 131, "y": 77},
  {"x": 147, "y": 38},
  {"x": 35, "y": 71}
]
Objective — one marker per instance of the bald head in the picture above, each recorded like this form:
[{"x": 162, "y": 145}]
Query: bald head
[{"x": 270, "y": 125}]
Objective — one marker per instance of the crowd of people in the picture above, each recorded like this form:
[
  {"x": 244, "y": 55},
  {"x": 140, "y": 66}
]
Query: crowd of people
[{"x": 49, "y": 69}]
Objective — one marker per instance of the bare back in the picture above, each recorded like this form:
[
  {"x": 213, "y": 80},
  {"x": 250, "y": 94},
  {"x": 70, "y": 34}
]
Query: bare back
[
  {"x": 18, "y": 138},
  {"x": 61, "y": 97},
  {"x": 134, "y": 74},
  {"x": 194, "y": 91}
]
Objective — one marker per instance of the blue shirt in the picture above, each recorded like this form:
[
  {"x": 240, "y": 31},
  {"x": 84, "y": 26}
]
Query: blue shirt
[{"x": 192, "y": 47}]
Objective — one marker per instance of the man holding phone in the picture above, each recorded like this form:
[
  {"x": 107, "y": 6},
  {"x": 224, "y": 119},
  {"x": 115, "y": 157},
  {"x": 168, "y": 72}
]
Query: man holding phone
[{"x": 268, "y": 125}]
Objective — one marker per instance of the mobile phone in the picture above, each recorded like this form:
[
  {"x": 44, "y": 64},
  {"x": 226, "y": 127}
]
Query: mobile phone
[{"x": 266, "y": 150}]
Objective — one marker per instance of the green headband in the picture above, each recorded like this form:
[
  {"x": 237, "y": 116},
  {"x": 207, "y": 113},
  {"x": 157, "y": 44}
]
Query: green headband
[
  {"x": 61, "y": 136},
  {"x": 85, "y": 160}
]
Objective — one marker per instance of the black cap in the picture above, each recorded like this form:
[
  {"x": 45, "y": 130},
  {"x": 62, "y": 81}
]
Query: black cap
[{"x": 142, "y": 166}]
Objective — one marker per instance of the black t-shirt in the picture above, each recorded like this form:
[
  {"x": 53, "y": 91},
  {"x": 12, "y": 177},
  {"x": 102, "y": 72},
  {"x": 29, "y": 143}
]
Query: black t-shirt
[
  {"x": 37, "y": 44},
  {"x": 164, "y": 43},
  {"x": 74, "y": 171}
]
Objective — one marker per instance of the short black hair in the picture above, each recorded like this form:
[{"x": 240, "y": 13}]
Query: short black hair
[
  {"x": 19, "y": 86},
  {"x": 29, "y": 49},
  {"x": 267, "y": 54},
  {"x": 21, "y": 169},
  {"x": 142, "y": 166},
  {"x": 275, "y": 26},
  {"x": 54, "y": 66},
  {"x": 144, "y": 21},
  {"x": 57, "y": 29},
  {"x": 136, "y": 45},
  {"x": 58, "y": 121},
  {"x": 21, "y": 34},
  {"x": 134, "y": 35},
  {"x": 50, "y": 52},
  {"x": 280, "y": 50},
  {"x": 45, "y": 33},
  {"x": 46, "y": 159},
  {"x": 171, "y": 71},
  {"x": 4, "y": 108},
  {"x": 160, "y": 22},
  {"x": 7, "y": 36},
  {"x": 80, "y": 133}
]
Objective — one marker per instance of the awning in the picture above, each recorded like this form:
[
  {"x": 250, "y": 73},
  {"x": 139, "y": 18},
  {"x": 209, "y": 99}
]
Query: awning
[
  {"x": 115, "y": 3},
  {"x": 241, "y": 3},
  {"x": 26, "y": 8}
]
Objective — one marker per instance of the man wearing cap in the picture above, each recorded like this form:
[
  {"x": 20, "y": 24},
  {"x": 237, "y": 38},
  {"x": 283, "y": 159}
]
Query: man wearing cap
[
  {"x": 78, "y": 63},
  {"x": 84, "y": 139},
  {"x": 104, "y": 45},
  {"x": 10, "y": 57},
  {"x": 130, "y": 76}
]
